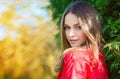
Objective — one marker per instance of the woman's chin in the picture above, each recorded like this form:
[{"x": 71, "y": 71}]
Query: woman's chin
[
  {"x": 78, "y": 46},
  {"x": 74, "y": 45}
]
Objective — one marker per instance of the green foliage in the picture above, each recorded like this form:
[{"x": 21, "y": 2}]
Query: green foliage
[
  {"x": 112, "y": 54},
  {"x": 109, "y": 11}
]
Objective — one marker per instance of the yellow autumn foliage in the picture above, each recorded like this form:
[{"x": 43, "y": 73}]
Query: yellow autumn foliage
[{"x": 30, "y": 55}]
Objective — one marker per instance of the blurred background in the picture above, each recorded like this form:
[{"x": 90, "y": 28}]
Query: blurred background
[
  {"x": 27, "y": 44},
  {"x": 30, "y": 36}
]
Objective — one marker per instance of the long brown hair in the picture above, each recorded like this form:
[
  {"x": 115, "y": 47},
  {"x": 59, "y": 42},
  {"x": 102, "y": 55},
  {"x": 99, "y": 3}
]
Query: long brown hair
[{"x": 90, "y": 26}]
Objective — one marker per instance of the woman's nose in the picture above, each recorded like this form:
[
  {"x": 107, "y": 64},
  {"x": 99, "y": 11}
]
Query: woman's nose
[{"x": 72, "y": 33}]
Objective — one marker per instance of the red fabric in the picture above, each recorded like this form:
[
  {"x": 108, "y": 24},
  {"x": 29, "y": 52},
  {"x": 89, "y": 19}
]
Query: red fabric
[{"x": 76, "y": 65}]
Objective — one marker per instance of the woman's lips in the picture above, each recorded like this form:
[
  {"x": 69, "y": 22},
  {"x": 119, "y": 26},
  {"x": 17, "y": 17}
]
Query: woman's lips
[{"x": 72, "y": 41}]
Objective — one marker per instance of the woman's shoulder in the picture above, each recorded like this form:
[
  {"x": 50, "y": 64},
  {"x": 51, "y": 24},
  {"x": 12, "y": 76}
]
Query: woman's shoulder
[
  {"x": 70, "y": 50},
  {"x": 68, "y": 53},
  {"x": 76, "y": 53}
]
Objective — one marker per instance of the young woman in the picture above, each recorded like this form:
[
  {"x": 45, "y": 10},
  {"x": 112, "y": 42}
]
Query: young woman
[{"x": 82, "y": 41}]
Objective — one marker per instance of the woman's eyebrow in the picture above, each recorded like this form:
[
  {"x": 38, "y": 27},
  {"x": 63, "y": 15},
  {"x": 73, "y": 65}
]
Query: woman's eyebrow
[
  {"x": 76, "y": 24},
  {"x": 65, "y": 25},
  {"x": 73, "y": 25}
]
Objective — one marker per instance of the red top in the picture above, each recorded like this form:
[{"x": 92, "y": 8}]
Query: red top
[{"x": 76, "y": 65}]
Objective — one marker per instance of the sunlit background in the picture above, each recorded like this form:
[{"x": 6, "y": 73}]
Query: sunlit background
[{"x": 27, "y": 45}]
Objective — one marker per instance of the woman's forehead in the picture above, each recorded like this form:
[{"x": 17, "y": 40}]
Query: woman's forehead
[{"x": 71, "y": 19}]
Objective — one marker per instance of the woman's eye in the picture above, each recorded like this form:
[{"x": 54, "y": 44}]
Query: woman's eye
[
  {"x": 78, "y": 27},
  {"x": 66, "y": 27}
]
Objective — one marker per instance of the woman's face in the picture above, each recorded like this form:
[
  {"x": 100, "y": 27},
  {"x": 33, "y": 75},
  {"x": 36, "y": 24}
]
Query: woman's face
[{"x": 73, "y": 31}]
